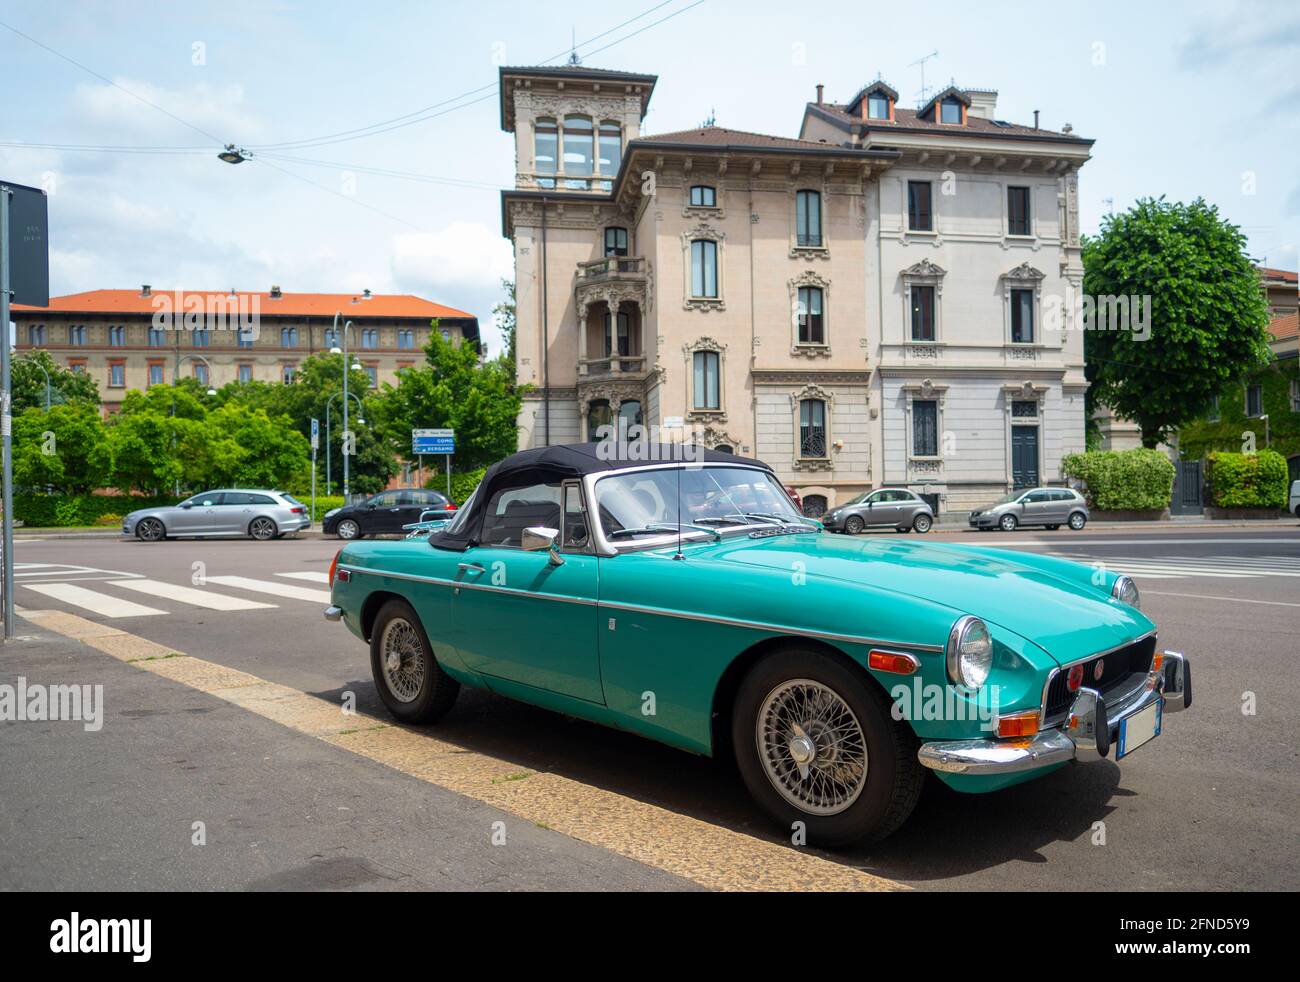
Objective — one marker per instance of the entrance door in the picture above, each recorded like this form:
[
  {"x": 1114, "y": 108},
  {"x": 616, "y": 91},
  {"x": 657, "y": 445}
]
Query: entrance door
[
  {"x": 1188, "y": 481},
  {"x": 1024, "y": 456}
]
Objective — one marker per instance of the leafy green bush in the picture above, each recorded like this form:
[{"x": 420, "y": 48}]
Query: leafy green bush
[
  {"x": 64, "y": 510},
  {"x": 462, "y": 485},
  {"x": 1124, "y": 480},
  {"x": 323, "y": 504},
  {"x": 1239, "y": 480}
]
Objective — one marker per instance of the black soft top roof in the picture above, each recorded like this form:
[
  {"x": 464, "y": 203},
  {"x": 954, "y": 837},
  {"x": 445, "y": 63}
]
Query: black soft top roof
[{"x": 543, "y": 465}]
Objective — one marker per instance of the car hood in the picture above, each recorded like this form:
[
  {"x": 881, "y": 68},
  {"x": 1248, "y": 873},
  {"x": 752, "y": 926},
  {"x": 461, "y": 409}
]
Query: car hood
[{"x": 1048, "y": 601}]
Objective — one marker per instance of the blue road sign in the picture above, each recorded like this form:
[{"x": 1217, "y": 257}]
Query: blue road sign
[{"x": 433, "y": 441}]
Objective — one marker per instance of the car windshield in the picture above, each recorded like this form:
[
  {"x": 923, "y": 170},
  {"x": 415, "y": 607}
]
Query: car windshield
[
  {"x": 657, "y": 502},
  {"x": 1006, "y": 499},
  {"x": 860, "y": 499}
]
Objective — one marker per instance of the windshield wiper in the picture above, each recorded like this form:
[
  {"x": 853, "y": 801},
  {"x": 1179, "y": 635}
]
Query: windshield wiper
[
  {"x": 664, "y": 527},
  {"x": 775, "y": 518}
]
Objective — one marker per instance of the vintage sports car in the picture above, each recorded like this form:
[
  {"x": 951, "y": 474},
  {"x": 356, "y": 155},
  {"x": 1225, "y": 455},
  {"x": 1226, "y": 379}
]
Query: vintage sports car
[{"x": 689, "y": 602}]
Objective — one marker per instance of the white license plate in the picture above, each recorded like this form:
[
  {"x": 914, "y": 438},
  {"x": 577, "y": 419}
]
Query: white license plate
[{"x": 1138, "y": 729}]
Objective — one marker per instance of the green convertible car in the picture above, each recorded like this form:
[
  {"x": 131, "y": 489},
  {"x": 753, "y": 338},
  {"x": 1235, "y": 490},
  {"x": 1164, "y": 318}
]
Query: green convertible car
[{"x": 686, "y": 600}]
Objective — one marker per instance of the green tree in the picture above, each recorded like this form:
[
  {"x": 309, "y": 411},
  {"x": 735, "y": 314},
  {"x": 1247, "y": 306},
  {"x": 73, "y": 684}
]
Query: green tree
[
  {"x": 1208, "y": 313},
  {"x": 452, "y": 390},
  {"x": 242, "y": 447},
  {"x": 66, "y": 386},
  {"x": 142, "y": 449},
  {"x": 62, "y": 449},
  {"x": 506, "y": 320}
]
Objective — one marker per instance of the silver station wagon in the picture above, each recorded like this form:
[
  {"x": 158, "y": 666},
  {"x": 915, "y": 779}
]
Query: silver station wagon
[{"x": 226, "y": 512}]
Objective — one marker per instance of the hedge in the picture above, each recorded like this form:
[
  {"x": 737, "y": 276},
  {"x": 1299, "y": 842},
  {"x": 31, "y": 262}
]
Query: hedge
[
  {"x": 1124, "y": 480},
  {"x": 1239, "y": 480},
  {"x": 63, "y": 510},
  {"x": 462, "y": 484}
]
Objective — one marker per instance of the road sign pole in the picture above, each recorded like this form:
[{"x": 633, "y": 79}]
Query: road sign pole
[
  {"x": 6, "y": 421},
  {"x": 448, "y": 477}
]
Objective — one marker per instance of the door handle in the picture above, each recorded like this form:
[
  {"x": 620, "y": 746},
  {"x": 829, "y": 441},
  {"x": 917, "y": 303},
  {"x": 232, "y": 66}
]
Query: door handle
[{"x": 472, "y": 568}]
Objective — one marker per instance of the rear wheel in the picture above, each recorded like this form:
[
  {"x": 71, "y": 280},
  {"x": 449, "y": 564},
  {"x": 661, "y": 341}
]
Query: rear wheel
[
  {"x": 1008, "y": 523},
  {"x": 816, "y": 744},
  {"x": 1078, "y": 520},
  {"x": 407, "y": 675},
  {"x": 854, "y": 524},
  {"x": 262, "y": 529},
  {"x": 922, "y": 523},
  {"x": 151, "y": 530}
]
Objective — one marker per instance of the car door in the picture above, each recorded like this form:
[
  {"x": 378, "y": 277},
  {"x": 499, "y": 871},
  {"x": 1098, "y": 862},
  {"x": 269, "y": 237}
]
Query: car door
[
  {"x": 202, "y": 516},
  {"x": 1061, "y": 504},
  {"x": 519, "y": 617},
  {"x": 231, "y": 513},
  {"x": 885, "y": 509},
  {"x": 382, "y": 513},
  {"x": 1037, "y": 507}
]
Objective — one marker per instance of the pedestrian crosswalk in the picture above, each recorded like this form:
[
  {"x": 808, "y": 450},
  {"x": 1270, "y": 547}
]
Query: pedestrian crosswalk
[
  {"x": 65, "y": 583},
  {"x": 1184, "y": 567}
]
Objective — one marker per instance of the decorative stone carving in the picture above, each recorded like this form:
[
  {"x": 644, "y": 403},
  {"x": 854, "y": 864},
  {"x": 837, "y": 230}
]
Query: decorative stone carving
[
  {"x": 1024, "y": 273},
  {"x": 924, "y": 269}
]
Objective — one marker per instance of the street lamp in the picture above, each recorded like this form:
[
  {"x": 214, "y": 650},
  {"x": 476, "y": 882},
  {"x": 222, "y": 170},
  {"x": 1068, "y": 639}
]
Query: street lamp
[
  {"x": 328, "y": 444},
  {"x": 346, "y": 371},
  {"x": 233, "y": 154},
  {"x": 33, "y": 361}
]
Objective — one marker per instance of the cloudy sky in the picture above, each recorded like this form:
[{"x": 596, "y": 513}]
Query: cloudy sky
[{"x": 1184, "y": 100}]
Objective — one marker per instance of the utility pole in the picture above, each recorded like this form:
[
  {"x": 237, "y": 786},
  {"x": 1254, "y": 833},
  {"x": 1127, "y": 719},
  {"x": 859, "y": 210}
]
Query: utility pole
[{"x": 6, "y": 421}]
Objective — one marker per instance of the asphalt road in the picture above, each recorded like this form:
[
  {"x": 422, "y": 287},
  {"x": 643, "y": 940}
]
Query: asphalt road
[{"x": 1209, "y": 805}]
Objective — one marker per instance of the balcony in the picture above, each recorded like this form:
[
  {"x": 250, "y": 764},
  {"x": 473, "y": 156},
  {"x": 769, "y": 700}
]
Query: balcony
[
  {"x": 612, "y": 268},
  {"x": 615, "y": 366}
]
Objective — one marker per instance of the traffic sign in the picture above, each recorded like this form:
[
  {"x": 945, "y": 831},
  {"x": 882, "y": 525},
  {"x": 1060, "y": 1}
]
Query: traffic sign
[
  {"x": 315, "y": 433},
  {"x": 433, "y": 441}
]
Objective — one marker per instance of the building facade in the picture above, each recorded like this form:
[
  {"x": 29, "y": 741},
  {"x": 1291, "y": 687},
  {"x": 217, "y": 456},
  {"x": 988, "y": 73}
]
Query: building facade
[
  {"x": 131, "y": 339},
  {"x": 867, "y": 304}
]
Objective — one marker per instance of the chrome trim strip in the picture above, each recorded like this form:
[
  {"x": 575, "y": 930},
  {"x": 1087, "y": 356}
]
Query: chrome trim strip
[{"x": 656, "y": 611}]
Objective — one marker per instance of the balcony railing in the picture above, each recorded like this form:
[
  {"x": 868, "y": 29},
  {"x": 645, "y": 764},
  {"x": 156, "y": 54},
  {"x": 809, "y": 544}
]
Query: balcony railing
[
  {"x": 612, "y": 267},
  {"x": 613, "y": 365}
]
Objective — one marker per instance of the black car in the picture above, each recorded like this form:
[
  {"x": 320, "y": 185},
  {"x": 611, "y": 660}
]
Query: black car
[{"x": 386, "y": 512}]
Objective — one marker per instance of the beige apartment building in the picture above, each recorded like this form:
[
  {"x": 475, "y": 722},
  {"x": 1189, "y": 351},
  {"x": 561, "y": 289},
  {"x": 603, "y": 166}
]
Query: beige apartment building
[
  {"x": 866, "y": 304},
  {"x": 131, "y": 339}
]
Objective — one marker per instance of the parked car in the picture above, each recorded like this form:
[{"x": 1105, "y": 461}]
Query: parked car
[
  {"x": 1293, "y": 504},
  {"x": 585, "y": 585},
  {"x": 384, "y": 513},
  {"x": 1051, "y": 507},
  {"x": 227, "y": 512},
  {"x": 895, "y": 508}
]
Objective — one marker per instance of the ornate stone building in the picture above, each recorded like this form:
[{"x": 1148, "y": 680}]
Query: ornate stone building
[{"x": 864, "y": 305}]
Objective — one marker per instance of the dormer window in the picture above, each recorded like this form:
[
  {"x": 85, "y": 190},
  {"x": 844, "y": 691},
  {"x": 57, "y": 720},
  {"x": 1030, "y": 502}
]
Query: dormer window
[
  {"x": 950, "y": 111},
  {"x": 703, "y": 196},
  {"x": 877, "y": 106}
]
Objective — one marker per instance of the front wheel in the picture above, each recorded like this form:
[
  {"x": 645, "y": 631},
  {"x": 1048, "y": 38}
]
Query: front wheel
[
  {"x": 262, "y": 529},
  {"x": 853, "y": 525},
  {"x": 1078, "y": 520},
  {"x": 151, "y": 530},
  {"x": 922, "y": 523},
  {"x": 1008, "y": 523},
  {"x": 818, "y": 749},
  {"x": 407, "y": 675},
  {"x": 348, "y": 529}
]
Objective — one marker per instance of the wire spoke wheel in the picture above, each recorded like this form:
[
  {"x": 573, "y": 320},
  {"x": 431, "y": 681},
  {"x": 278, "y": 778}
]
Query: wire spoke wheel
[
  {"x": 811, "y": 747},
  {"x": 404, "y": 661}
]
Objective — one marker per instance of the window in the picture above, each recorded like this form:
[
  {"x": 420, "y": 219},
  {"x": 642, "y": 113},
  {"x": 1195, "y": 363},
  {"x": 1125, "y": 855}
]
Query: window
[
  {"x": 577, "y": 150},
  {"x": 925, "y": 428},
  {"x": 331, "y": 337},
  {"x": 812, "y": 428},
  {"x": 877, "y": 106},
  {"x": 370, "y": 338},
  {"x": 629, "y": 413},
  {"x": 950, "y": 111},
  {"x": 1018, "y": 211},
  {"x": 617, "y": 323},
  {"x": 446, "y": 334},
  {"x": 244, "y": 339},
  {"x": 288, "y": 337},
  {"x": 156, "y": 373},
  {"x": 77, "y": 334},
  {"x": 707, "y": 390},
  {"x": 811, "y": 329},
  {"x": 611, "y": 147},
  {"x": 200, "y": 338},
  {"x": 919, "y": 216},
  {"x": 1022, "y": 316},
  {"x": 1254, "y": 400},
  {"x": 117, "y": 375},
  {"x": 703, "y": 196},
  {"x": 1024, "y": 408},
  {"x": 77, "y": 367},
  {"x": 35, "y": 333},
  {"x": 512, "y": 510},
  {"x": 201, "y": 373},
  {"x": 117, "y": 336},
  {"x": 545, "y": 137},
  {"x": 245, "y": 373},
  {"x": 157, "y": 337},
  {"x": 616, "y": 242},
  {"x": 372, "y": 373},
  {"x": 287, "y": 373},
  {"x": 704, "y": 268},
  {"x": 406, "y": 339},
  {"x": 1214, "y": 414},
  {"x": 598, "y": 415},
  {"x": 923, "y": 313},
  {"x": 1295, "y": 395},
  {"x": 808, "y": 218}
]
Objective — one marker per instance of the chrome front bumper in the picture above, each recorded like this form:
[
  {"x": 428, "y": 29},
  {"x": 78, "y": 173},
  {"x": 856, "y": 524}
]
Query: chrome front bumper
[{"x": 1087, "y": 733}]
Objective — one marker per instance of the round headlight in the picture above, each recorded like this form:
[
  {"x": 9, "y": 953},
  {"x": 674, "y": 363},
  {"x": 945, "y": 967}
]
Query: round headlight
[
  {"x": 970, "y": 652},
  {"x": 1125, "y": 590}
]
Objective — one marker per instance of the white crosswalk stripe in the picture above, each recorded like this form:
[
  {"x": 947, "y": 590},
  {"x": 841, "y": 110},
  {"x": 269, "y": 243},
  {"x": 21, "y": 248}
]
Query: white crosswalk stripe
[
  {"x": 93, "y": 600},
  {"x": 311, "y": 577},
  {"x": 1182, "y": 567},
  {"x": 273, "y": 588},
  {"x": 190, "y": 595}
]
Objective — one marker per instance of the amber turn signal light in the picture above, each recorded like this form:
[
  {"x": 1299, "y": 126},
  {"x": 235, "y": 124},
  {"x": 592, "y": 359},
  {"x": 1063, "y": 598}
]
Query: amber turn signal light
[
  {"x": 893, "y": 661},
  {"x": 1018, "y": 725}
]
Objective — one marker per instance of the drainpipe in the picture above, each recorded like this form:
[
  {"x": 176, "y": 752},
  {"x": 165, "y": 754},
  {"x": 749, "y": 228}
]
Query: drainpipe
[{"x": 546, "y": 344}]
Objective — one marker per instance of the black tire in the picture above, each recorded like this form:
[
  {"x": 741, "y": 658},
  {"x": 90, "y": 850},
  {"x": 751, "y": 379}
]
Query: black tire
[
  {"x": 1078, "y": 520},
  {"x": 262, "y": 529},
  {"x": 922, "y": 523},
  {"x": 894, "y": 776},
  {"x": 854, "y": 524},
  {"x": 1008, "y": 523},
  {"x": 344, "y": 526},
  {"x": 150, "y": 530},
  {"x": 437, "y": 690},
  {"x": 1051, "y": 528}
]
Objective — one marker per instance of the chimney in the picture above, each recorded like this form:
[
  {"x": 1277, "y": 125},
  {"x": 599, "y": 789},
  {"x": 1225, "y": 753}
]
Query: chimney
[
  {"x": 1035, "y": 119},
  {"x": 365, "y": 294},
  {"x": 983, "y": 103},
  {"x": 819, "y": 94},
  {"x": 275, "y": 291},
  {"x": 144, "y": 291}
]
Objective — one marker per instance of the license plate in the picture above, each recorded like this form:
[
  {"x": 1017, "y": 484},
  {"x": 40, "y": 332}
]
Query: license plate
[{"x": 1138, "y": 729}]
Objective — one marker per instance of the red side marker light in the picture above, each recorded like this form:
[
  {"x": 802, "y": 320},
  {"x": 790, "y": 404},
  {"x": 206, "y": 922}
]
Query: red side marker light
[{"x": 893, "y": 662}]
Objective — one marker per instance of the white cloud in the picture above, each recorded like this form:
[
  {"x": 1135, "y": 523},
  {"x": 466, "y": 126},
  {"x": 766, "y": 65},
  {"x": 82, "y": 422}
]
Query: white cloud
[
  {"x": 219, "y": 111},
  {"x": 464, "y": 254}
]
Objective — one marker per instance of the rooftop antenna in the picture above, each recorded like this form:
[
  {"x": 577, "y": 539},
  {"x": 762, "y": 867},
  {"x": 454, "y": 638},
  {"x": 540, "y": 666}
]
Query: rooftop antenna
[
  {"x": 712, "y": 119},
  {"x": 1110, "y": 205},
  {"x": 925, "y": 92},
  {"x": 574, "y": 60}
]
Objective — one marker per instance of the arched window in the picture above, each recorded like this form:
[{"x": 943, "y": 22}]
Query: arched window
[
  {"x": 814, "y": 505},
  {"x": 812, "y": 428},
  {"x": 598, "y": 415},
  {"x": 724, "y": 448},
  {"x": 811, "y": 327},
  {"x": 616, "y": 242},
  {"x": 808, "y": 218},
  {"x": 703, "y": 196},
  {"x": 578, "y": 136},
  {"x": 617, "y": 332},
  {"x": 545, "y": 137},
  {"x": 704, "y": 268},
  {"x": 611, "y": 147}
]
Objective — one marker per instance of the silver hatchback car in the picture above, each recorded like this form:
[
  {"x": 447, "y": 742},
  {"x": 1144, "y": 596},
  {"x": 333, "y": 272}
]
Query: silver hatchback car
[
  {"x": 227, "y": 512},
  {"x": 1052, "y": 507},
  {"x": 895, "y": 508}
]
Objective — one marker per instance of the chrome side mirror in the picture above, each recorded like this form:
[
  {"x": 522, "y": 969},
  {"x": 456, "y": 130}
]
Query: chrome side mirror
[{"x": 537, "y": 538}]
